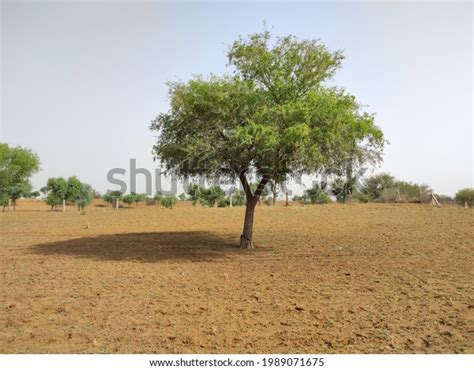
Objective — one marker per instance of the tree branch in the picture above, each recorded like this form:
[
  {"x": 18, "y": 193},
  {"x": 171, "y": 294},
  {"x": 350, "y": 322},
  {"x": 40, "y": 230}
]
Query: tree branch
[
  {"x": 261, "y": 186},
  {"x": 245, "y": 184}
]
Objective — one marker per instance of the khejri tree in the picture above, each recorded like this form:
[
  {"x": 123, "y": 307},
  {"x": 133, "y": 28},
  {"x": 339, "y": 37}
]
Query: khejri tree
[
  {"x": 275, "y": 113},
  {"x": 17, "y": 165}
]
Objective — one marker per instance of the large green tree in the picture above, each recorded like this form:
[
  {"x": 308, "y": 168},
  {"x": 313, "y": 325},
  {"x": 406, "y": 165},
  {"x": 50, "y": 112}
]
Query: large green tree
[
  {"x": 275, "y": 114},
  {"x": 17, "y": 165}
]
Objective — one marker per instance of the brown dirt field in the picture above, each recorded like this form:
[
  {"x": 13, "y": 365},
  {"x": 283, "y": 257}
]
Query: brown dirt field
[{"x": 366, "y": 278}]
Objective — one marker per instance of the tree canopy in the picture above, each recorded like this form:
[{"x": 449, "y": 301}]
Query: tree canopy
[
  {"x": 17, "y": 165},
  {"x": 275, "y": 114},
  {"x": 59, "y": 191},
  {"x": 465, "y": 195}
]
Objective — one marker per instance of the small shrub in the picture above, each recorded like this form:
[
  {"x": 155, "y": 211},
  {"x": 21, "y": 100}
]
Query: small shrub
[
  {"x": 359, "y": 197},
  {"x": 207, "y": 197},
  {"x": 388, "y": 195},
  {"x": 129, "y": 199},
  {"x": 168, "y": 201},
  {"x": 315, "y": 195},
  {"x": 224, "y": 202}
]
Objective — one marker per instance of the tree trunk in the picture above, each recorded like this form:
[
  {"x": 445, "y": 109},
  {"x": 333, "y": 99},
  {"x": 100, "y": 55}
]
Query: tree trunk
[
  {"x": 64, "y": 205},
  {"x": 9, "y": 205},
  {"x": 116, "y": 204},
  {"x": 286, "y": 199},
  {"x": 246, "y": 237},
  {"x": 252, "y": 200},
  {"x": 274, "y": 199}
]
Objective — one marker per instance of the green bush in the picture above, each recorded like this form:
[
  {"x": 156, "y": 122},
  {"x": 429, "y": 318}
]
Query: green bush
[
  {"x": 207, "y": 197},
  {"x": 388, "y": 195},
  {"x": 223, "y": 202},
  {"x": 465, "y": 195},
  {"x": 373, "y": 186},
  {"x": 53, "y": 201},
  {"x": 194, "y": 192},
  {"x": 4, "y": 199},
  {"x": 129, "y": 199},
  {"x": 112, "y": 197},
  {"x": 168, "y": 201},
  {"x": 210, "y": 197},
  {"x": 411, "y": 192},
  {"x": 358, "y": 196},
  {"x": 315, "y": 195}
]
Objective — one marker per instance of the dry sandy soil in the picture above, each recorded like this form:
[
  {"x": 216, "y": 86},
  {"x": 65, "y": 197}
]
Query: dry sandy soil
[{"x": 323, "y": 279}]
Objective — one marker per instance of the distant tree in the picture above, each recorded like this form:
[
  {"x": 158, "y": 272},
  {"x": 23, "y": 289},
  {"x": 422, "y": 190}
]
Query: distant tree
[
  {"x": 264, "y": 193},
  {"x": 84, "y": 197},
  {"x": 129, "y": 199},
  {"x": 139, "y": 198},
  {"x": 4, "y": 201},
  {"x": 113, "y": 198},
  {"x": 17, "y": 165},
  {"x": 373, "y": 186},
  {"x": 275, "y": 186},
  {"x": 212, "y": 196},
  {"x": 194, "y": 193},
  {"x": 71, "y": 191},
  {"x": 96, "y": 194},
  {"x": 74, "y": 189},
  {"x": 20, "y": 190},
  {"x": 32, "y": 194},
  {"x": 342, "y": 187},
  {"x": 411, "y": 192},
  {"x": 275, "y": 115},
  {"x": 444, "y": 198},
  {"x": 465, "y": 195},
  {"x": 56, "y": 191},
  {"x": 315, "y": 195}
]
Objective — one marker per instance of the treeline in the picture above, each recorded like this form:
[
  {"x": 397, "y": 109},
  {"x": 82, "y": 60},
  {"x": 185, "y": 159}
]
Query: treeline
[
  {"x": 18, "y": 164},
  {"x": 381, "y": 188},
  {"x": 115, "y": 198}
]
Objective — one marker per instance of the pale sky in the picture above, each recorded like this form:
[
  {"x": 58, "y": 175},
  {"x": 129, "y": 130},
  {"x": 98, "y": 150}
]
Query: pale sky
[{"x": 80, "y": 81}]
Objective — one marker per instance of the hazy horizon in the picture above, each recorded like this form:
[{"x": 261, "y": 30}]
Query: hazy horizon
[{"x": 81, "y": 81}]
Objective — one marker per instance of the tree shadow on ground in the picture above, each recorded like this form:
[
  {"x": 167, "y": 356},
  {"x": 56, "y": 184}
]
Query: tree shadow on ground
[{"x": 193, "y": 246}]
